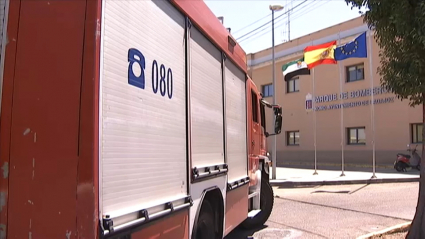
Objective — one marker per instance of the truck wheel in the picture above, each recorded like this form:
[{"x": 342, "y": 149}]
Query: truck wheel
[
  {"x": 266, "y": 206},
  {"x": 205, "y": 226}
]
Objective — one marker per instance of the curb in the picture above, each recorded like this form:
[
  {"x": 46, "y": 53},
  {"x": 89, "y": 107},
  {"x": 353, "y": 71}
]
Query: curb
[
  {"x": 276, "y": 183},
  {"x": 393, "y": 229}
]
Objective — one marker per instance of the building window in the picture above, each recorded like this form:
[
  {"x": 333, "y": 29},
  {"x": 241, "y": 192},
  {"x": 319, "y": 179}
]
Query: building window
[
  {"x": 416, "y": 130},
  {"x": 292, "y": 85},
  {"x": 355, "y": 73},
  {"x": 267, "y": 90},
  {"x": 356, "y": 135},
  {"x": 293, "y": 138}
]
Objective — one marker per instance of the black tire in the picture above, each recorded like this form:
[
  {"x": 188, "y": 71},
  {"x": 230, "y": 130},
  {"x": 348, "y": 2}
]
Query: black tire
[
  {"x": 266, "y": 206},
  {"x": 205, "y": 225},
  {"x": 399, "y": 167}
]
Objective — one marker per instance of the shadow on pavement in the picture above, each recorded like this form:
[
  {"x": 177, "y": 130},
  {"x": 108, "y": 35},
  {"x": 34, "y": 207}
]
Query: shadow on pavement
[{"x": 241, "y": 233}]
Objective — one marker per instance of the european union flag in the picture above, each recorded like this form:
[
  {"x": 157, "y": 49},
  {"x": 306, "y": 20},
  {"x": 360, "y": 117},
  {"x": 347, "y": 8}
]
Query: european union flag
[{"x": 354, "y": 49}]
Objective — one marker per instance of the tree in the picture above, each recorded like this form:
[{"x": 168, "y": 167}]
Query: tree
[{"x": 399, "y": 27}]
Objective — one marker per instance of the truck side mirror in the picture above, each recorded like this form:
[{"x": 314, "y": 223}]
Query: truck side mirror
[{"x": 278, "y": 124}]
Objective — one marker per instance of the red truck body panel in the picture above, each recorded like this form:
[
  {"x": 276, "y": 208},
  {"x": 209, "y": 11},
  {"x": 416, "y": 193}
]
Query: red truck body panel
[
  {"x": 175, "y": 227},
  {"x": 49, "y": 120},
  {"x": 254, "y": 132}
]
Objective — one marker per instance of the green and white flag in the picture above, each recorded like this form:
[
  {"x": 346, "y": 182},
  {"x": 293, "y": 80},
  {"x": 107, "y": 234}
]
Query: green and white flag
[{"x": 295, "y": 68}]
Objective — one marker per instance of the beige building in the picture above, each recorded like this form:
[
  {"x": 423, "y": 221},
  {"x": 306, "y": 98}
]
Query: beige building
[{"x": 396, "y": 124}]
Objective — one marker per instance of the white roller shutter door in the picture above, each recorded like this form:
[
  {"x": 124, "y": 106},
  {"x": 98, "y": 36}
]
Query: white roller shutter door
[
  {"x": 206, "y": 102},
  {"x": 237, "y": 155},
  {"x": 143, "y": 159}
]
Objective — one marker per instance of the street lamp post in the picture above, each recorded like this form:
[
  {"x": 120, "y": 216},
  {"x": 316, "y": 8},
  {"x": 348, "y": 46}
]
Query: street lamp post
[{"x": 274, "y": 8}]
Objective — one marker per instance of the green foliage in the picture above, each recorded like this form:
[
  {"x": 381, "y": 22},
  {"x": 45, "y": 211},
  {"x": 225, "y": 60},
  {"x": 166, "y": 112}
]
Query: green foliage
[{"x": 399, "y": 27}]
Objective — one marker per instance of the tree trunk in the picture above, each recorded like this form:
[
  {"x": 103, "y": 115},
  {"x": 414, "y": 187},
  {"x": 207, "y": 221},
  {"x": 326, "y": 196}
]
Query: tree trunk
[{"x": 417, "y": 228}]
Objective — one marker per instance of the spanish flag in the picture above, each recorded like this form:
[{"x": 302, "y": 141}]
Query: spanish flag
[{"x": 320, "y": 54}]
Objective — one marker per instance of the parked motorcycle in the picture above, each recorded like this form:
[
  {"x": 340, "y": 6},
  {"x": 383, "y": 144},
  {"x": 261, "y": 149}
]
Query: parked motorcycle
[{"x": 405, "y": 161}]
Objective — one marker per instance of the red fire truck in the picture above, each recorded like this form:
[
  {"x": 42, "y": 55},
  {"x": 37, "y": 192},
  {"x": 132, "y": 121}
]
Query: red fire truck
[{"x": 128, "y": 119}]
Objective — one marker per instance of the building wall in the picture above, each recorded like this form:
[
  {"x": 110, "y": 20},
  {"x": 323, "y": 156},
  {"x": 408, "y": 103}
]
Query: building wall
[{"x": 392, "y": 117}]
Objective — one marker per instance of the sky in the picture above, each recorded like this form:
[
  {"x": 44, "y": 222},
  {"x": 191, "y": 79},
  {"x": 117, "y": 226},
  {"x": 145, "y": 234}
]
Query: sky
[{"x": 244, "y": 16}]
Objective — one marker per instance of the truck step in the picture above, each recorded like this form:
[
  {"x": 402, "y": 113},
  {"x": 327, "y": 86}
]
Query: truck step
[
  {"x": 253, "y": 213},
  {"x": 253, "y": 195}
]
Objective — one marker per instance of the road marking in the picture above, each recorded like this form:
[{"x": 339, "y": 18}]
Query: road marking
[
  {"x": 277, "y": 233},
  {"x": 298, "y": 229}
]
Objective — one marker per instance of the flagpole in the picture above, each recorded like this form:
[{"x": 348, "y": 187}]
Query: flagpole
[
  {"x": 314, "y": 123},
  {"x": 372, "y": 105},
  {"x": 342, "y": 112},
  {"x": 312, "y": 61}
]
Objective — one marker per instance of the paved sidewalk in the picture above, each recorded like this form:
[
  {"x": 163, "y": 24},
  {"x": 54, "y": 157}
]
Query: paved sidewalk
[{"x": 292, "y": 176}]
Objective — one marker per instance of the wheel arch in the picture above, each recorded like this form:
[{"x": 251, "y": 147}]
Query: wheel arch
[
  {"x": 214, "y": 196},
  {"x": 264, "y": 167}
]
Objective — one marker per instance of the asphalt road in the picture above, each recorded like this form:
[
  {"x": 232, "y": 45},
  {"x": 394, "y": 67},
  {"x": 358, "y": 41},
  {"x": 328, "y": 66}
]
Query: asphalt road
[{"x": 343, "y": 211}]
